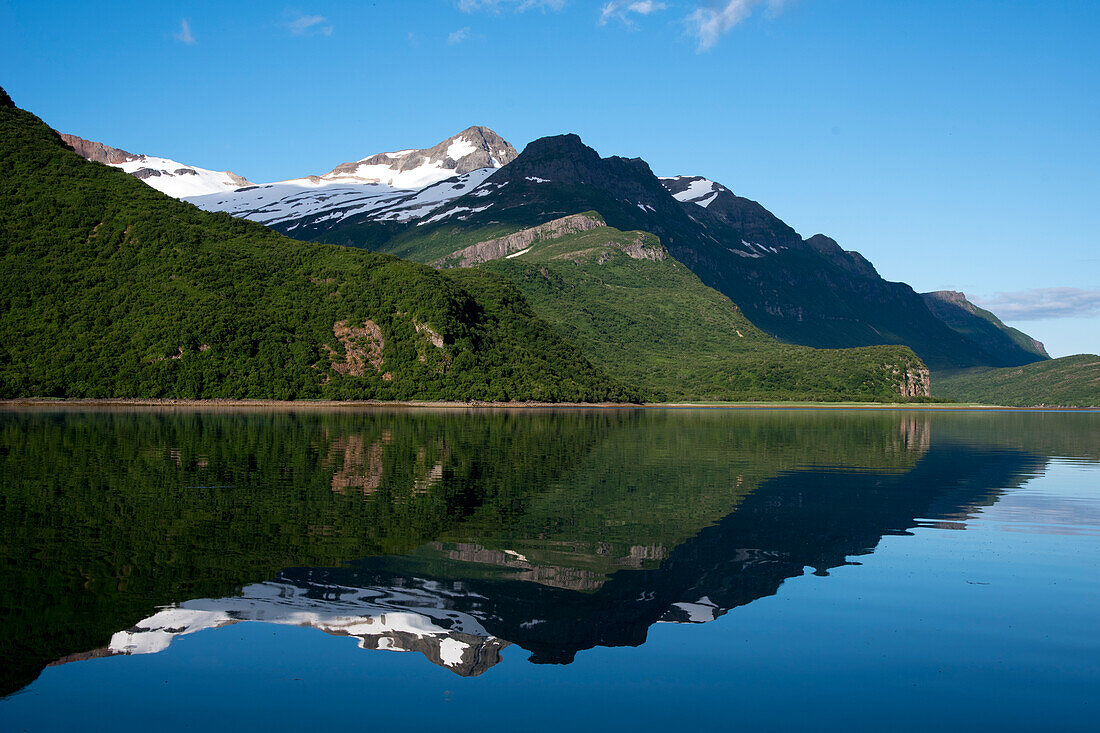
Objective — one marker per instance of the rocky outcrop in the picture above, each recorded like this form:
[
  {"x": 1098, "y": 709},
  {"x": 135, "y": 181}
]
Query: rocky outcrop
[
  {"x": 98, "y": 152},
  {"x": 640, "y": 247},
  {"x": 913, "y": 380},
  {"x": 494, "y": 249},
  {"x": 363, "y": 346},
  {"x": 750, "y": 219},
  {"x": 849, "y": 260}
]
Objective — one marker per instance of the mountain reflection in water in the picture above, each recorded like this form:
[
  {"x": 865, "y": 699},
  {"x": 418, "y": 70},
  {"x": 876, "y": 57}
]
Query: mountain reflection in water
[{"x": 457, "y": 533}]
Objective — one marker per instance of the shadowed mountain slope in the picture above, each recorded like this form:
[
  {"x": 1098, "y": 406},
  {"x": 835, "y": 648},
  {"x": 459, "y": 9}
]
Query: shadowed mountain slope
[
  {"x": 1010, "y": 346},
  {"x": 811, "y": 293}
]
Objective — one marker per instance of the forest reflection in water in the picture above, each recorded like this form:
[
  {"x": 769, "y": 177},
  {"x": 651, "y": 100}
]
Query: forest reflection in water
[{"x": 457, "y": 533}]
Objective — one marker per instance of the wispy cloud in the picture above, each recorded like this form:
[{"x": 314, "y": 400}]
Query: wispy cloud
[
  {"x": 458, "y": 36},
  {"x": 300, "y": 24},
  {"x": 711, "y": 21},
  {"x": 1042, "y": 304},
  {"x": 623, "y": 10},
  {"x": 184, "y": 34},
  {"x": 495, "y": 6}
]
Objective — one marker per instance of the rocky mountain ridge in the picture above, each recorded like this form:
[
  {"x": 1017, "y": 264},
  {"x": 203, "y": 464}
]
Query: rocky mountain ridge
[
  {"x": 1010, "y": 346},
  {"x": 98, "y": 152},
  {"x": 809, "y": 292},
  {"x": 474, "y": 148},
  {"x": 392, "y": 186},
  {"x": 167, "y": 176},
  {"x": 805, "y": 291}
]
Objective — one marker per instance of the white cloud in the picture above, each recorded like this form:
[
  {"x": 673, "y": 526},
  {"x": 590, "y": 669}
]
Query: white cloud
[
  {"x": 459, "y": 36},
  {"x": 621, "y": 11},
  {"x": 710, "y": 22},
  {"x": 1042, "y": 304},
  {"x": 302, "y": 25},
  {"x": 495, "y": 6},
  {"x": 184, "y": 34}
]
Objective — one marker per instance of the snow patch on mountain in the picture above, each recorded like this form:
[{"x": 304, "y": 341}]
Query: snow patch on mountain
[
  {"x": 473, "y": 148},
  {"x": 692, "y": 189},
  {"x": 179, "y": 180},
  {"x": 390, "y": 187},
  {"x": 307, "y": 201}
]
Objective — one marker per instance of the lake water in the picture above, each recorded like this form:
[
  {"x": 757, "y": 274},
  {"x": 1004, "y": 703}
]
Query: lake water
[{"x": 540, "y": 570}]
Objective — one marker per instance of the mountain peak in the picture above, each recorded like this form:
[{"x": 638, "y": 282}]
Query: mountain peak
[
  {"x": 5, "y": 100},
  {"x": 567, "y": 160},
  {"x": 167, "y": 176},
  {"x": 474, "y": 148}
]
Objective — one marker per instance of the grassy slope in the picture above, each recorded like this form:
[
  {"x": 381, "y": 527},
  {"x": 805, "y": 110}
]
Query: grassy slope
[
  {"x": 656, "y": 325},
  {"x": 109, "y": 289},
  {"x": 1071, "y": 381}
]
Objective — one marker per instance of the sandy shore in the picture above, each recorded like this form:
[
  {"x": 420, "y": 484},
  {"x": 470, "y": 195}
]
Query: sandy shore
[{"x": 443, "y": 405}]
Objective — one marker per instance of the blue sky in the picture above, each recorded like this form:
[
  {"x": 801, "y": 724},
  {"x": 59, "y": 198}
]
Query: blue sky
[{"x": 955, "y": 144}]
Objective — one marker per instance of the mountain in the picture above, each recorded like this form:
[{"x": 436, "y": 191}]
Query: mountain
[
  {"x": 644, "y": 318},
  {"x": 1069, "y": 381},
  {"x": 809, "y": 292},
  {"x": 1009, "y": 345},
  {"x": 387, "y": 187},
  {"x": 109, "y": 288},
  {"x": 310, "y": 208},
  {"x": 472, "y": 149},
  {"x": 385, "y": 190},
  {"x": 427, "y": 204},
  {"x": 168, "y": 176}
]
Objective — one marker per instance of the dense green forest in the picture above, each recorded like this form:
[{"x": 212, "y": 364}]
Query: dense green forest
[
  {"x": 649, "y": 321},
  {"x": 1070, "y": 381},
  {"x": 109, "y": 288}
]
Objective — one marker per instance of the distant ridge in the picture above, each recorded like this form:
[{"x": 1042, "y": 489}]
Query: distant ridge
[
  {"x": 1007, "y": 345},
  {"x": 98, "y": 152},
  {"x": 167, "y": 176}
]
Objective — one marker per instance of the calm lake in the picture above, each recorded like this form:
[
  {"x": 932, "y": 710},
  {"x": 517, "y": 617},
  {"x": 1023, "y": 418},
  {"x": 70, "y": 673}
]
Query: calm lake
[{"x": 173, "y": 569}]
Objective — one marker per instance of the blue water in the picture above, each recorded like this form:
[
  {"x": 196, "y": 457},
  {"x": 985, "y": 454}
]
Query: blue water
[{"x": 980, "y": 611}]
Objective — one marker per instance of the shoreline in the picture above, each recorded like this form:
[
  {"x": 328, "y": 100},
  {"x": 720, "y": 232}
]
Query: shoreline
[{"x": 38, "y": 402}]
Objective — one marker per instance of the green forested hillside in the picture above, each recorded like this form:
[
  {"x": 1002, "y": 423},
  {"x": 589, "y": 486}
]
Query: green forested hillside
[
  {"x": 1071, "y": 381},
  {"x": 646, "y": 319},
  {"x": 111, "y": 289}
]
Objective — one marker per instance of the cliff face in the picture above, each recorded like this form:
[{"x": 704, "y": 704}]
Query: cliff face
[
  {"x": 98, "y": 152},
  {"x": 493, "y": 249},
  {"x": 914, "y": 380}
]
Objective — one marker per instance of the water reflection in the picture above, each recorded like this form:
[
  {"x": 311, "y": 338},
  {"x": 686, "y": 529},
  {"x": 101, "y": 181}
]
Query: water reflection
[{"x": 454, "y": 534}]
